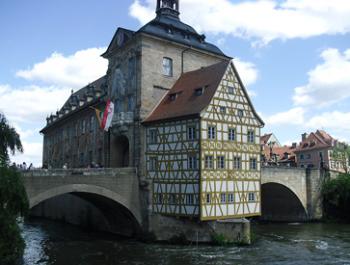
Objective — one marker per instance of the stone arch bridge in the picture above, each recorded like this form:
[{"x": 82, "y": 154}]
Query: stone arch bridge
[
  {"x": 291, "y": 194},
  {"x": 113, "y": 193}
]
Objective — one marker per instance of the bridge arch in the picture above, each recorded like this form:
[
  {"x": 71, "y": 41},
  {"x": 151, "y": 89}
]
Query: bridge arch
[
  {"x": 281, "y": 203},
  {"x": 86, "y": 189}
]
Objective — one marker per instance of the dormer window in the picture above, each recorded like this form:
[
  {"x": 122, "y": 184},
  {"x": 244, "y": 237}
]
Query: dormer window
[
  {"x": 167, "y": 66},
  {"x": 169, "y": 31},
  {"x": 199, "y": 91},
  {"x": 172, "y": 97}
]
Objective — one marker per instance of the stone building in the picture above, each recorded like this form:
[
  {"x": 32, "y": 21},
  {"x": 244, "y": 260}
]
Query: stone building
[{"x": 172, "y": 89}]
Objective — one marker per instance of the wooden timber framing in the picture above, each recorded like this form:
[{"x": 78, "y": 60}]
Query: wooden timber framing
[{"x": 223, "y": 190}]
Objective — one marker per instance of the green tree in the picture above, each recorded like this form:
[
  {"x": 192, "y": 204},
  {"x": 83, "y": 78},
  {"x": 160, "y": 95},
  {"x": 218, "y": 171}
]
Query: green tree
[
  {"x": 336, "y": 197},
  {"x": 341, "y": 154},
  {"x": 13, "y": 197}
]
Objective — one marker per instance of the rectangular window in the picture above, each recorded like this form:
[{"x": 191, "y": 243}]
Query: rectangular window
[
  {"x": 153, "y": 161},
  {"x": 231, "y": 134},
  {"x": 223, "y": 197},
  {"x": 236, "y": 162},
  {"x": 301, "y": 157},
  {"x": 222, "y": 110},
  {"x": 208, "y": 198},
  {"x": 209, "y": 162},
  {"x": 159, "y": 199},
  {"x": 189, "y": 199},
  {"x": 192, "y": 162},
  {"x": 191, "y": 133},
  {"x": 251, "y": 196},
  {"x": 252, "y": 163},
  {"x": 221, "y": 162},
  {"x": 167, "y": 66},
  {"x": 251, "y": 136},
  {"x": 153, "y": 139},
  {"x": 172, "y": 199},
  {"x": 92, "y": 123},
  {"x": 211, "y": 132},
  {"x": 83, "y": 126},
  {"x": 308, "y": 156},
  {"x": 230, "y": 197},
  {"x": 240, "y": 113},
  {"x": 231, "y": 89}
]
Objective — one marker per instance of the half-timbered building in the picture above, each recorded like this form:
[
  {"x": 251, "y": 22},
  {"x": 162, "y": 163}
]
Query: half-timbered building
[{"x": 203, "y": 147}]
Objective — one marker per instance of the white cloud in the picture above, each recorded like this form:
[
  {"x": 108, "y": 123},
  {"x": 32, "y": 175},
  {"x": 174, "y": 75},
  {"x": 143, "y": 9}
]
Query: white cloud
[
  {"x": 336, "y": 121},
  {"x": 31, "y": 104},
  {"x": 247, "y": 71},
  {"x": 328, "y": 82},
  {"x": 32, "y": 154},
  {"x": 73, "y": 71},
  {"x": 263, "y": 20},
  {"x": 293, "y": 116}
]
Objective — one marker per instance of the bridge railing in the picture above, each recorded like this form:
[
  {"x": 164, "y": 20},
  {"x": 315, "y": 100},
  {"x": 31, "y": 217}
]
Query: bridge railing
[{"x": 80, "y": 172}]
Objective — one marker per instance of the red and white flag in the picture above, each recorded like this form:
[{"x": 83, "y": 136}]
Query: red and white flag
[{"x": 105, "y": 118}]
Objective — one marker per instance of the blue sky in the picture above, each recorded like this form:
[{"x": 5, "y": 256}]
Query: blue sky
[{"x": 293, "y": 55}]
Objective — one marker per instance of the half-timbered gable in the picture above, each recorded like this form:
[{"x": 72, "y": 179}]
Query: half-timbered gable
[{"x": 230, "y": 152}]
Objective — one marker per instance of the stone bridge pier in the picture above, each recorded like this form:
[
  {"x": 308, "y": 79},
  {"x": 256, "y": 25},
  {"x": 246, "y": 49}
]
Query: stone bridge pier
[
  {"x": 105, "y": 199},
  {"x": 291, "y": 194}
]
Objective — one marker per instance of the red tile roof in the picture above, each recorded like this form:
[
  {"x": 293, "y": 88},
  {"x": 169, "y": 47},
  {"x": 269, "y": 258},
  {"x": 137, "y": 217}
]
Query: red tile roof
[
  {"x": 186, "y": 102},
  {"x": 265, "y": 138},
  {"x": 316, "y": 140}
]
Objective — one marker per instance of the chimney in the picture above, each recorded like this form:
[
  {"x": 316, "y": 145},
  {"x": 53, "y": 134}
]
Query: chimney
[
  {"x": 304, "y": 136},
  {"x": 294, "y": 145}
]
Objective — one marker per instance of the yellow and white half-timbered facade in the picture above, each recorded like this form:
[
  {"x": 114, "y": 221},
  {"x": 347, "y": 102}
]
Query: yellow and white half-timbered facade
[{"x": 203, "y": 151}]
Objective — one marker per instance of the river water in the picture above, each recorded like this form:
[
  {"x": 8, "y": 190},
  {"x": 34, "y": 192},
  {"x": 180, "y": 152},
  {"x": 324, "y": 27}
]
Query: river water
[{"x": 50, "y": 243}]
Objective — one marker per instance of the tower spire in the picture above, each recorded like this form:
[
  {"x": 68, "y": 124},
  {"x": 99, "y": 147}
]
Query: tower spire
[{"x": 168, "y": 8}]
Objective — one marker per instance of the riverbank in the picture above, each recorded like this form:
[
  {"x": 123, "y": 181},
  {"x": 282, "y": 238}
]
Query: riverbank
[{"x": 50, "y": 243}]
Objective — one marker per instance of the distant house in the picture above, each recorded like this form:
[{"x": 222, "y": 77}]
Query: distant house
[
  {"x": 316, "y": 151},
  {"x": 274, "y": 154}
]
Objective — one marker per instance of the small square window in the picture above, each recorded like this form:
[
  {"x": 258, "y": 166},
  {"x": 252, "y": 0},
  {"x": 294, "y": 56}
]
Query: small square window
[
  {"x": 192, "y": 162},
  {"x": 199, "y": 91},
  {"x": 209, "y": 162},
  {"x": 153, "y": 163},
  {"x": 251, "y": 136},
  {"x": 223, "y": 197},
  {"x": 251, "y": 196},
  {"x": 191, "y": 133},
  {"x": 189, "y": 199},
  {"x": 252, "y": 163},
  {"x": 231, "y": 90},
  {"x": 230, "y": 197},
  {"x": 231, "y": 134},
  {"x": 153, "y": 136},
  {"x": 236, "y": 162},
  {"x": 208, "y": 198},
  {"x": 211, "y": 132},
  {"x": 221, "y": 162},
  {"x": 222, "y": 110},
  {"x": 172, "y": 199}
]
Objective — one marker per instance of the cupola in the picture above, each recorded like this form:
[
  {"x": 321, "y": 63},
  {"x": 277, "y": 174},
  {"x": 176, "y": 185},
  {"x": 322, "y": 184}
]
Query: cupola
[{"x": 168, "y": 8}]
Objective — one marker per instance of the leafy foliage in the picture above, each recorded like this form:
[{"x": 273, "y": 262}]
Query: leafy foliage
[
  {"x": 336, "y": 197},
  {"x": 341, "y": 153},
  {"x": 9, "y": 140},
  {"x": 13, "y": 197}
]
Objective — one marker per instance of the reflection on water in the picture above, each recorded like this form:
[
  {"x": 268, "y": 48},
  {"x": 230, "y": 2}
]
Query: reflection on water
[{"x": 50, "y": 243}]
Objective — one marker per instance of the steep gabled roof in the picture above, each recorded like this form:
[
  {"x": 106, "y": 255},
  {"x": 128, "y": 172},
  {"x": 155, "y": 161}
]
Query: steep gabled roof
[
  {"x": 265, "y": 138},
  {"x": 316, "y": 140},
  {"x": 186, "y": 102},
  {"x": 182, "y": 100}
]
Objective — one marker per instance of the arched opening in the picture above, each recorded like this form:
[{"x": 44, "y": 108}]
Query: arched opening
[
  {"x": 121, "y": 152},
  {"x": 280, "y": 204},
  {"x": 89, "y": 210}
]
